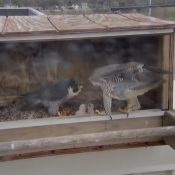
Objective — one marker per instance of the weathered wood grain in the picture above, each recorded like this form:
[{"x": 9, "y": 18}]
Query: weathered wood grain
[
  {"x": 49, "y": 130},
  {"x": 129, "y": 21},
  {"x": 84, "y": 140},
  {"x": 73, "y": 23},
  {"x": 2, "y": 23},
  {"x": 147, "y": 19},
  {"x": 171, "y": 77},
  {"x": 60, "y": 24},
  {"x": 169, "y": 120},
  {"x": 165, "y": 66},
  {"x": 112, "y": 21},
  {"x": 79, "y": 150},
  {"x": 27, "y": 24}
]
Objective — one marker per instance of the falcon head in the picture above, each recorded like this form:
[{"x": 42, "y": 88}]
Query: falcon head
[{"x": 74, "y": 88}]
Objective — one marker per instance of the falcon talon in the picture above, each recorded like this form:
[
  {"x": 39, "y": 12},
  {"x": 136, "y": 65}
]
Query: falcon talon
[
  {"x": 90, "y": 109},
  {"x": 82, "y": 110},
  {"x": 110, "y": 117}
]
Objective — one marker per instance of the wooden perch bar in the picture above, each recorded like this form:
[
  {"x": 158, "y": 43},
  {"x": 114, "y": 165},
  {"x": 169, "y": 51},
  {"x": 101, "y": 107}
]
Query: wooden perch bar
[{"x": 84, "y": 140}]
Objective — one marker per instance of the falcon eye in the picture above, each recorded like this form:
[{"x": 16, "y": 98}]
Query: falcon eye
[{"x": 75, "y": 88}]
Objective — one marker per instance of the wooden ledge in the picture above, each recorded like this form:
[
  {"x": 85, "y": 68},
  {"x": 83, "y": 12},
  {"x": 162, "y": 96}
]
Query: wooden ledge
[
  {"x": 38, "y": 135},
  {"x": 74, "y": 119},
  {"x": 84, "y": 140},
  {"x": 169, "y": 120}
]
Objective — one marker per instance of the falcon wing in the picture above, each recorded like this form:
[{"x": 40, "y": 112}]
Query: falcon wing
[
  {"x": 119, "y": 75},
  {"x": 54, "y": 92},
  {"x": 146, "y": 80},
  {"x": 132, "y": 81}
]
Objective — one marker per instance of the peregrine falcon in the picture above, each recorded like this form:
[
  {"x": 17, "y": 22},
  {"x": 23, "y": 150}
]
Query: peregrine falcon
[
  {"x": 52, "y": 96},
  {"x": 125, "y": 82}
]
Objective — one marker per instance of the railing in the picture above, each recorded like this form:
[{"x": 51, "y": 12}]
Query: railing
[{"x": 141, "y": 7}]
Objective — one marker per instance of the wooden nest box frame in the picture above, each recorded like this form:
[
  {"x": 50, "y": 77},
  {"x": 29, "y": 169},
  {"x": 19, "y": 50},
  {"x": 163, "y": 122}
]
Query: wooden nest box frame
[{"x": 27, "y": 138}]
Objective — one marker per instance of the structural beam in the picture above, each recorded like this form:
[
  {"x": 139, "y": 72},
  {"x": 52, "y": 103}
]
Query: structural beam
[
  {"x": 76, "y": 36},
  {"x": 169, "y": 120},
  {"x": 84, "y": 140}
]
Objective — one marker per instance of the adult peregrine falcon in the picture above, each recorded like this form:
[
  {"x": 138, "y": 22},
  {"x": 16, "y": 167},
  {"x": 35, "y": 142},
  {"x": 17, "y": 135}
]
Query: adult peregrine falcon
[
  {"x": 52, "y": 96},
  {"x": 125, "y": 82}
]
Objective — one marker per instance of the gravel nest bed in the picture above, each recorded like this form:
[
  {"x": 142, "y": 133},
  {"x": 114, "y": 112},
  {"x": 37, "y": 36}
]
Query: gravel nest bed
[{"x": 11, "y": 112}]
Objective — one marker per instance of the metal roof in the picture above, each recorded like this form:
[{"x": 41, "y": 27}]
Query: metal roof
[{"x": 64, "y": 25}]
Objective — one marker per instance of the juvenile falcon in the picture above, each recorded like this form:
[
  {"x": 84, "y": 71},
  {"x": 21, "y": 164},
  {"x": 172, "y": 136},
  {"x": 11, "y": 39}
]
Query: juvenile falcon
[{"x": 125, "y": 82}]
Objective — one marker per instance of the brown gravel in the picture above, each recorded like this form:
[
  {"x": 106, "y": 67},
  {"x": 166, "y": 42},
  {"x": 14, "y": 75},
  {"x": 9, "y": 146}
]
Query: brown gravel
[{"x": 11, "y": 112}]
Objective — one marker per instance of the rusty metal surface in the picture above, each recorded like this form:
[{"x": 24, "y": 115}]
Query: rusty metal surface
[{"x": 60, "y": 24}]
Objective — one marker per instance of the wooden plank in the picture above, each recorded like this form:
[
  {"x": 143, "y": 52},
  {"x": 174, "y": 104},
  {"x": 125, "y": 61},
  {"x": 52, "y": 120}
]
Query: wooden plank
[
  {"x": 112, "y": 162},
  {"x": 82, "y": 23},
  {"x": 148, "y": 19},
  {"x": 173, "y": 69},
  {"x": 2, "y": 23},
  {"x": 125, "y": 22},
  {"x": 54, "y": 130},
  {"x": 74, "y": 119},
  {"x": 166, "y": 67},
  {"x": 73, "y": 23},
  {"x": 169, "y": 120},
  {"x": 27, "y": 24},
  {"x": 84, "y": 140},
  {"x": 171, "y": 77},
  {"x": 73, "y": 36},
  {"x": 113, "y": 21},
  {"x": 57, "y": 36},
  {"x": 79, "y": 150}
]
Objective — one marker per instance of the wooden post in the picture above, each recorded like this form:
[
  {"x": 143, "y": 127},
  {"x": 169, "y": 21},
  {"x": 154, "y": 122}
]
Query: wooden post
[
  {"x": 84, "y": 140},
  {"x": 171, "y": 68},
  {"x": 166, "y": 66},
  {"x": 169, "y": 120}
]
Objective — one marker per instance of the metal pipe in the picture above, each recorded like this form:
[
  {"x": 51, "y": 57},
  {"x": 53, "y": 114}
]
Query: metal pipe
[{"x": 150, "y": 10}]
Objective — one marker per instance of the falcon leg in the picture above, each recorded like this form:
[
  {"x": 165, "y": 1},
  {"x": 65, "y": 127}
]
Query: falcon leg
[
  {"x": 107, "y": 102},
  {"x": 53, "y": 108},
  {"x": 133, "y": 105},
  {"x": 123, "y": 110}
]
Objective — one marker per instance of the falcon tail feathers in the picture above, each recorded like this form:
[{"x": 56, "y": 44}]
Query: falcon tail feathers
[
  {"x": 156, "y": 70},
  {"x": 149, "y": 85}
]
